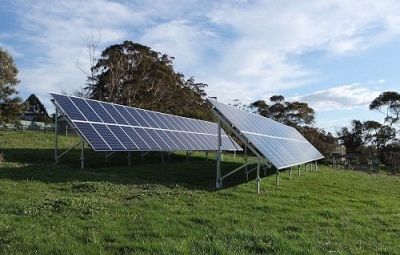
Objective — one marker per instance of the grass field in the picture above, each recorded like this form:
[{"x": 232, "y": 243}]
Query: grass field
[{"x": 173, "y": 208}]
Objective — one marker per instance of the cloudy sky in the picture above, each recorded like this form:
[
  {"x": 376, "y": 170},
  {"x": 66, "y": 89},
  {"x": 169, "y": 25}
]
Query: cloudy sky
[{"x": 335, "y": 55}]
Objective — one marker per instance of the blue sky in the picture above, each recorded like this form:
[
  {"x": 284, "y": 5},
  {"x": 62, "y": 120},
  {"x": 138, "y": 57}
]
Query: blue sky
[{"x": 335, "y": 55}]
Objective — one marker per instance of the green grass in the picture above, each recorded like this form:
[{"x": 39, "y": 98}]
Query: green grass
[{"x": 173, "y": 208}]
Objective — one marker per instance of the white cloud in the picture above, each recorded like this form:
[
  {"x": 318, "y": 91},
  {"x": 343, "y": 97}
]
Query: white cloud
[
  {"x": 266, "y": 34},
  {"x": 242, "y": 49},
  {"x": 340, "y": 98}
]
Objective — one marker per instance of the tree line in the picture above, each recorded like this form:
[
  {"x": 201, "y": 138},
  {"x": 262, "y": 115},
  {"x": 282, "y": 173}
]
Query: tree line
[{"x": 135, "y": 75}]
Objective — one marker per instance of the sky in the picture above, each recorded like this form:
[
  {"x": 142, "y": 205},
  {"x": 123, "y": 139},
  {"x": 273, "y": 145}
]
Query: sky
[{"x": 335, "y": 55}]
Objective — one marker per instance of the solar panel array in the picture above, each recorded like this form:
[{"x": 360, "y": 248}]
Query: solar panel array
[
  {"x": 284, "y": 146},
  {"x": 113, "y": 127}
]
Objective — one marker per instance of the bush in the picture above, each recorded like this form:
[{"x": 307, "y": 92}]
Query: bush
[{"x": 392, "y": 159}]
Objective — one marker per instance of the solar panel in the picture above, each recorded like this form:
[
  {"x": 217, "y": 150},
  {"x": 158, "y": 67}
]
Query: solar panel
[
  {"x": 284, "y": 146},
  {"x": 112, "y": 127}
]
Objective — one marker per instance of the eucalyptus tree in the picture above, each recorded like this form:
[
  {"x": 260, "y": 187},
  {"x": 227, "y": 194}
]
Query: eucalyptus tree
[
  {"x": 388, "y": 103},
  {"x": 381, "y": 135},
  {"x": 134, "y": 75},
  {"x": 352, "y": 137},
  {"x": 293, "y": 114},
  {"x": 298, "y": 115}
]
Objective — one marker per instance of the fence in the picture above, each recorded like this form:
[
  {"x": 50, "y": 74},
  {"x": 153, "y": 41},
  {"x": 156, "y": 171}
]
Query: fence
[{"x": 28, "y": 125}]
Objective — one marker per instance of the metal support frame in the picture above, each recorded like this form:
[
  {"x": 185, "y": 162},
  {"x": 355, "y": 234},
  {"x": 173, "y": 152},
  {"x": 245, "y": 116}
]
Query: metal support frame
[
  {"x": 277, "y": 177},
  {"x": 58, "y": 156},
  {"x": 258, "y": 179},
  {"x": 109, "y": 154},
  {"x": 82, "y": 156},
  {"x": 219, "y": 177},
  {"x": 218, "y": 182}
]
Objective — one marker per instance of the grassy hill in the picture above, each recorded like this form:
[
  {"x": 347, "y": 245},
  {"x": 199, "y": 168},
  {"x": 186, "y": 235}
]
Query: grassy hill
[{"x": 173, "y": 208}]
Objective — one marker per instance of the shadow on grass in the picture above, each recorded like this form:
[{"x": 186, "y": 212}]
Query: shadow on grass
[{"x": 195, "y": 172}]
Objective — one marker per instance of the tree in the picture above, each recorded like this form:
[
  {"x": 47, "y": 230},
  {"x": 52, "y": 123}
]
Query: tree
[
  {"x": 33, "y": 104},
  {"x": 10, "y": 104},
  {"x": 293, "y": 114},
  {"x": 91, "y": 45},
  {"x": 352, "y": 138},
  {"x": 392, "y": 157},
  {"x": 378, "y": 135},
  {"x": 134, "y": 75},
  {"x": 322, "y": 141},
  {"x": 388, "y": 103},
  {"x": 297, "y": 115},
  {"x": 381, "y": 135}
]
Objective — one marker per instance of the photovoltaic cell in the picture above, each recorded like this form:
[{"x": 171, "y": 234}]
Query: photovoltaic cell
[
  {"x": 92, "y": 137},
  {"x": 103, "y": 114},
  {"x": 127, "y": 116},
  {"x": 67, "y": 105},
  {"x": 85, "y": 109},
  {"x": 112, "y": 127},
  {"x": 115, "y": 114},
  {"x": 123, "y": 138},
  {"x": 143, "y": 146},
  {"x": 138, "y": 117},
  {"x": 284, "y": 146},
  {"x": 108, "y": 137}
]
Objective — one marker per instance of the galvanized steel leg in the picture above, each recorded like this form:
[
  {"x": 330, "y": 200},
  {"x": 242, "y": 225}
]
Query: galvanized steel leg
[
  {"x": 82, "y": 156},
  {"x": 56, "y": 136},
  {"x": 277, "y": 177},
  {"x": 258, "y": 179},
  {"x": 218, "y": 183}
]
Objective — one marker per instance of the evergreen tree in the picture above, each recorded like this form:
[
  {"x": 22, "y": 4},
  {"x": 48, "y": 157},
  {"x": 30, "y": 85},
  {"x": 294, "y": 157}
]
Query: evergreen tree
[
  {"x": 33, "y": 104},
  {"x": 134, "y": 75},
  {"x": 10, "y": 104}
]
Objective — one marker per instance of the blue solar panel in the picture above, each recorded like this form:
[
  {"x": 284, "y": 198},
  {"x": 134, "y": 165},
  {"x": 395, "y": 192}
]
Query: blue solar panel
[
  {"x": 143, "y": 146},
  {"x": 148, "y": 139},
  {"x": 174, "y": 137},
  {"x": 123, "y": 138},
  {"x": 127, "y": 116},
  {"x": 112, "y": 127},
  {"x": 85, "y": 109},
  {"x": 66, "y": 105},
  {"x": 158, "y": 140},
  {"x": 167, "y": 139},
  {"x": 108, "y": 137},
  {"x": 137, "y": 115},
  {"x": 103, "y": 114},
  {"x": 284, "y": 146},
  {"x": 92, "y": 137},
  {"x": 115, "y": 114},
  {"x": 185, "y": 138},
  {"x": 161, "y": 121},
  {"x": 173, "y": 123},
  {"x": 150, "y": 118}
]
